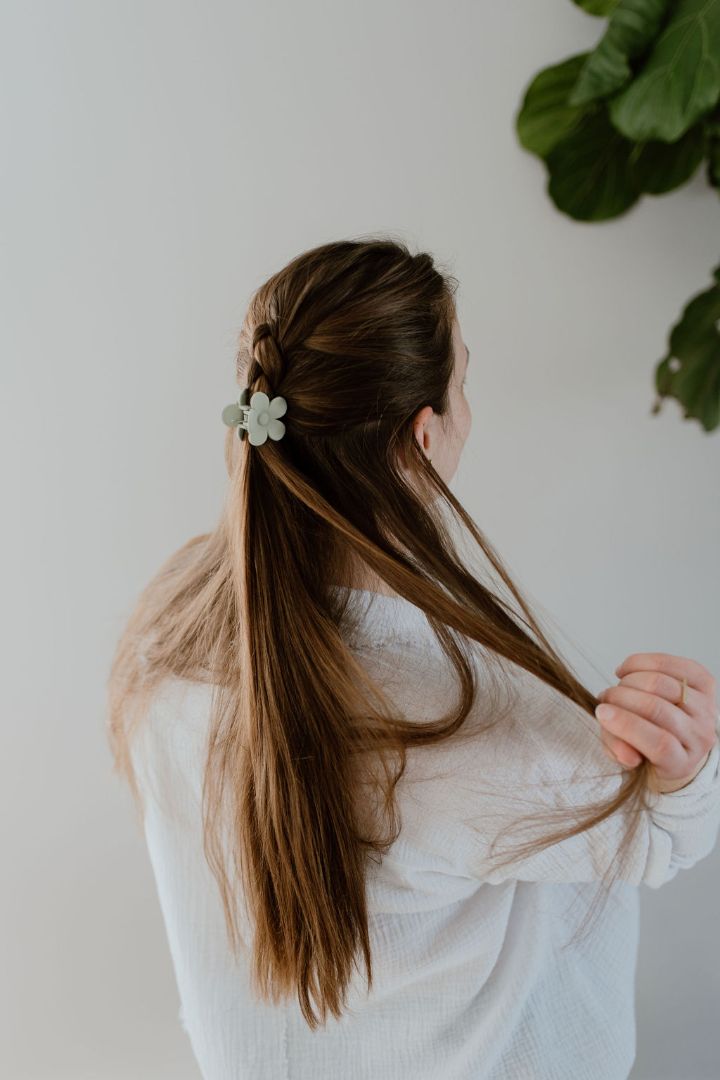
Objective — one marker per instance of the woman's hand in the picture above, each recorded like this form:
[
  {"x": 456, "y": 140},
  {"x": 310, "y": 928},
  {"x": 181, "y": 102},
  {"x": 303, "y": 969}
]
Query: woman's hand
[{"x": 646, "y": 718}]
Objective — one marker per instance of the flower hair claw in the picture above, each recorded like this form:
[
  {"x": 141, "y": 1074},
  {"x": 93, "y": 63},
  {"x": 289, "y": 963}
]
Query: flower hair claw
[{"x": 259, "y": 418}]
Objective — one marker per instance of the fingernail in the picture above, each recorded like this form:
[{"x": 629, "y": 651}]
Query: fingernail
[{"x": 603, "y": 712}]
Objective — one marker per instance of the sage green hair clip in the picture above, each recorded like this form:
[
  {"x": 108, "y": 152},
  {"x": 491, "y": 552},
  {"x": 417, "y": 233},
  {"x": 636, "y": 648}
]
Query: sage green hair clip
[{"x": 259, "y": 418}]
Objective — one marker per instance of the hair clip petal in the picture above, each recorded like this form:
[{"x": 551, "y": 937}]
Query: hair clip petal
[
  {"x": 232, "y": 415},
  {"x": 258, "y": 419}
]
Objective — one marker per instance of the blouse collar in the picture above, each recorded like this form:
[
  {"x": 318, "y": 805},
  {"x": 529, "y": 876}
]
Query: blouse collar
[{"x": 377, "y": 619}]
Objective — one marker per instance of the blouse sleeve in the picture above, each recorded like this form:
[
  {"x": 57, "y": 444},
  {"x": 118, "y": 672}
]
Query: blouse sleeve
[
  {"x": 553, "y": 758},
  {"x": 513, "y": 775}
]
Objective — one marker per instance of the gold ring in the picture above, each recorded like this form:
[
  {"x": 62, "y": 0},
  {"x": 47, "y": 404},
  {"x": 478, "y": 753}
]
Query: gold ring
[{"x": 682, "y": 692}]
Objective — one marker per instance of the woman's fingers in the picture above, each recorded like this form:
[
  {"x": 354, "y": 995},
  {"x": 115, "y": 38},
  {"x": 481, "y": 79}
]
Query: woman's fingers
[
  {"x": 663, "y": 686},
  {"x": 646, "y": 712},
  {"x": 619, "y": 750},
  {"x": 657, "y": 710},
  {"x": 664, "y": 709},
  {"x": 658, "y": 744},
  {"x": 694, "y": 717},
  {"x": 678, "y": 667}
]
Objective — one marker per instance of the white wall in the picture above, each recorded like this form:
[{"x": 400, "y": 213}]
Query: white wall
[{"x": 160, "y": 159}]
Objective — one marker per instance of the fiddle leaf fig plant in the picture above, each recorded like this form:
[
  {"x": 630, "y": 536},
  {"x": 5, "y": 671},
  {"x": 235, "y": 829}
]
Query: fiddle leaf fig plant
[
  {"x": 690, "y": 370},
  {"x": 638, "y": 115}
]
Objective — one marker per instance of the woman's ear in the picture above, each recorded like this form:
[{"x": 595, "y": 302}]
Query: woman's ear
[{"x": 421, "y": 427}]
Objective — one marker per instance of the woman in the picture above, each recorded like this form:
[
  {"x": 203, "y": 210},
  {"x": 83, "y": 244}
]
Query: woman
[{"x": 329, "y": 721}]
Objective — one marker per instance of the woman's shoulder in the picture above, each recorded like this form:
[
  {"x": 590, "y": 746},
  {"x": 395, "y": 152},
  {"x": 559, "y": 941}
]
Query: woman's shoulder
[{"x": 169, "y": 744}]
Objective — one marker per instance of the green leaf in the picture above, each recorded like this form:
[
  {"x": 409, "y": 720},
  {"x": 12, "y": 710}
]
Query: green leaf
[
  {"x": 596, "y": 7},
  {"x": 591, "y": 171},
  {"x": 663, "y": 378},
  {"x": 697, "y": 387},
  {"x": 545, "y": 117},
  {"x": 680, "y": 80},
  {"x": 690, "y": 372},
  {"x": 659, "y": 167},
  {"x": 712, "y": 150},
  {"x": 632, "y": 29},
  {"x": 697, "y": 324}
]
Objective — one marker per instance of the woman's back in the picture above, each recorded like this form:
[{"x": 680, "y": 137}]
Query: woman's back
[{"x": 474, "y": 972}]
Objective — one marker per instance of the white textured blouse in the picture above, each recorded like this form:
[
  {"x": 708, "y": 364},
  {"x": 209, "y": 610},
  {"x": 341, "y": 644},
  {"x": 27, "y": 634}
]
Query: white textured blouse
[{"x": 474, "y": 974}]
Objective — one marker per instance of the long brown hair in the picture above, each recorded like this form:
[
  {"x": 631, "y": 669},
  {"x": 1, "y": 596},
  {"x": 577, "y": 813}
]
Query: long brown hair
[{"x": 357, "y": 336}]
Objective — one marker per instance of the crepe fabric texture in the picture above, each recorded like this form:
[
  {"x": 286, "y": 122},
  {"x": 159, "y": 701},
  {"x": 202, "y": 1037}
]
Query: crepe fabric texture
[{"x": 474, "y": 974}]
